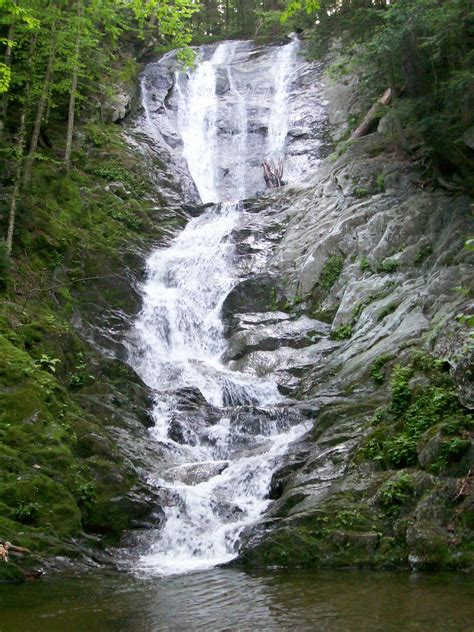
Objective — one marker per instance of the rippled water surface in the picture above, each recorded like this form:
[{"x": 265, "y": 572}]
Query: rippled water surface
[{"x": 223, "y": 600}]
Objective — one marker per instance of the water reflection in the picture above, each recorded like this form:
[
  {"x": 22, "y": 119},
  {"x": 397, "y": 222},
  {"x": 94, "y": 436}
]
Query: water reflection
[{"x": 226, "y": 600}]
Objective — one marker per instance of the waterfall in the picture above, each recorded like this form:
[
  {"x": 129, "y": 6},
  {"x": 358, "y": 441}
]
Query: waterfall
[
  {"x": 278, "y": 118},
  {"x": 223, "y": 430}
]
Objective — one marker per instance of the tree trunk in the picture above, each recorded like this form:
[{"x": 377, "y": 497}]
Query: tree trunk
[
  {"x": 373, "y": 115},
  {"x": 40, "y": 109},
  {"x": 19, "y": 150},
  {"x": 20, "y": 145},
  {"x": 72, "y": 98}
]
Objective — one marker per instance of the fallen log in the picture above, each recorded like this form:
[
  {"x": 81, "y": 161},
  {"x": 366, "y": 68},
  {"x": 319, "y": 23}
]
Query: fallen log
[
  {"x": 6, "y": 547},
  {"x": 373, "y": 116}
]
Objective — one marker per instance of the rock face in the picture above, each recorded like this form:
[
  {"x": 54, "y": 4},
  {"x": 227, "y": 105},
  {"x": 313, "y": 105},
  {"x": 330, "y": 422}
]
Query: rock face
[
  {"x": 361, "y": 270},
  {"x": 352, "y": 294},
  {"x": 243, "y": 120}
]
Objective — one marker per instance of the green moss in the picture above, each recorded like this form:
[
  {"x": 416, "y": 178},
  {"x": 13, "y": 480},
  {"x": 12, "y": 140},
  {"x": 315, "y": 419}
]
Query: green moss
[
  {"x": 376, "y": 368},
  {"x": 388, "y": 266},
  {"x": 4, "y": 267},
  {"x": 412, "y": 411},
  {"x": 365, "y": 264},
  {"x": 292, "y": 302},
  {"x": 423, "y": 253},
  {"x": 342, "y": 333},
  {"x": 10, "y": 573},
  {"x": 386, "y": 311},
  {"x": 69, "y": 229},
  {"x": 360, "y": 192},
  {"x": 331, "y": 271}
]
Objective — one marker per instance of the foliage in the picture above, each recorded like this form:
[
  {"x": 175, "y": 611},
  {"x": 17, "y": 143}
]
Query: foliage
[
  {"x": 423, "y": 49},
  {"x": 386, "y": 311},
  {"x": 331, "y": 271},
  {"x": 388, "y": 265},
  {"x": 395, "y": 493},
  {"x": 375, "y": 369},
  {"x": 412, "y": 411},
  {"x": 360, "y": 192},
  {"x": 4, "y": 267},
  {"x": 342, "y": 333},
  {"x": 423, "y": 253}
]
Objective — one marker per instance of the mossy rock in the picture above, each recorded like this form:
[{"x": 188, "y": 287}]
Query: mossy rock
[{"x": 10, "y": 573}]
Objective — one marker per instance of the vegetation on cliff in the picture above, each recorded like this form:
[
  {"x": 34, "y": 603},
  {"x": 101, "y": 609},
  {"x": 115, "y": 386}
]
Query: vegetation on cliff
[{"x": 77, "y": 207}]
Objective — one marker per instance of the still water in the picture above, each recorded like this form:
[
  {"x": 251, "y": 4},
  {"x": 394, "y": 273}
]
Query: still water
[{"x": 225, "y": 600}]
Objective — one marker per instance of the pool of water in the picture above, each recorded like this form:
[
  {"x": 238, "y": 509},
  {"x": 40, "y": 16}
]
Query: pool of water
[{"x": 223, "y": 600}]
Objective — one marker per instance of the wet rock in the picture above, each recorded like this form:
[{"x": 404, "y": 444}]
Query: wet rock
[
  {"x": 196, "y": 473},
  {"x": 195, "y": 210},
  {"x": 251, "y": 295},
  {"x": 273, "y": 334},
  {"x": 139, "y": 508},
  {"x": 263, "y": 421},
  {"x": 118, "y": 188},
  {"x": 468, "y": 138},
  {"x": 430, "y": 448},
  {"x": 228, "y": 512},
  {"x": 118, "y": 106},
  {"x": 463, "y": 374}
]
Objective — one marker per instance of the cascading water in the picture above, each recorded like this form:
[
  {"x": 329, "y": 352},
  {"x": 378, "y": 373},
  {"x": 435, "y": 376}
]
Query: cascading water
[
  {"x": 279, "y": 114},
  {"x": 225, "y": 440}
]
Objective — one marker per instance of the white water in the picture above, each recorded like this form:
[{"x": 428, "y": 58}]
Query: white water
[
  {"x": 221, "y": 471},
  {"x": 279, "y": 108}
]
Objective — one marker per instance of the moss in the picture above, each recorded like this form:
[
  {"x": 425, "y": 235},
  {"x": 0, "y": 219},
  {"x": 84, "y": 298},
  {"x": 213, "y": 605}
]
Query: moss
[
  {"x": 376, "y": 368},
  {"x": 423, "y": 253},
  {"x": 72, "y": 229},
  {"x": 365, "y": 264},
  {"x": 10, "y": 573},
  {"x": 293, "y": 302},
  {"x": 412, "y": 411},
  {"x": 386, "y": 311},
  {"x": 342, "y": 333},
  {"x": 331, "y": 271},
  {"x": 359, "y": 308},
  {"x": 388, "y": 266},
  {"x": 4, "y": 267}
]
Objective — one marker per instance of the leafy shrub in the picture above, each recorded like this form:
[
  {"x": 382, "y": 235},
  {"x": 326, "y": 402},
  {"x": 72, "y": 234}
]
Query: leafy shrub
[
  {"x": 27, "y": 513},
  {"x": 455, "y": 449},
  {"x": 395, "y": 493},
  {"x": 401, "y": 391}
]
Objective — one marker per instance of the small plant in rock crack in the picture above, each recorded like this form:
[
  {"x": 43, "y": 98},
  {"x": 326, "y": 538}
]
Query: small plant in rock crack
[{"x": 80, "y": 377}]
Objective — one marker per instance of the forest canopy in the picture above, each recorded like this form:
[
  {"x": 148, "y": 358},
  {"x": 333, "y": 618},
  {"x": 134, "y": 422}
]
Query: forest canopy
[{"x": 60, "y": 57}]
